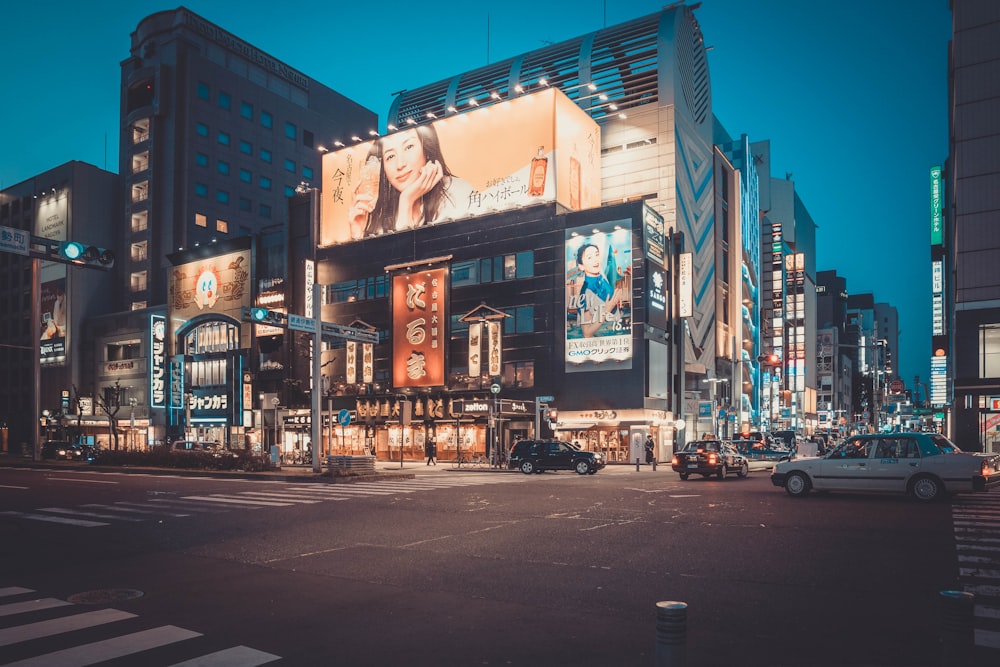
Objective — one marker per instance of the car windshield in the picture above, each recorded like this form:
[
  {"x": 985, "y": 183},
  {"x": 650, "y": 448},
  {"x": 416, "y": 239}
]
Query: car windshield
[{"x": 944, "y": 445}]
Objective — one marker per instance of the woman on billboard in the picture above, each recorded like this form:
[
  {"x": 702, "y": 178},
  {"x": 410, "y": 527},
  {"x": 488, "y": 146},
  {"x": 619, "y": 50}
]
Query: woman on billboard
[
  {"x": 417, "y": 188},
  {"x": 596, "y": 299}
]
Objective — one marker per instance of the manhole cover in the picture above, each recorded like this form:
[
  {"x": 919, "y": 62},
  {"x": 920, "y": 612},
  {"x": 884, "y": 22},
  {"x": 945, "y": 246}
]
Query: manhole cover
[{"x": 105, "y": 596}]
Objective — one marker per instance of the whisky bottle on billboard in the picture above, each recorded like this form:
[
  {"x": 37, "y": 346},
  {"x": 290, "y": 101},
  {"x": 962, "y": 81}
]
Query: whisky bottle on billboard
[
  {"x": 539, "y": 170},
  {"x": 574, "y": 180}
]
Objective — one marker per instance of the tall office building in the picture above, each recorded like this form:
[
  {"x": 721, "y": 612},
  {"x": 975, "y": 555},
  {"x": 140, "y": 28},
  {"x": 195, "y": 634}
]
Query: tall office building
[
  {"x": 216, "y": 134},
  {"x": 971, "y": 242}
]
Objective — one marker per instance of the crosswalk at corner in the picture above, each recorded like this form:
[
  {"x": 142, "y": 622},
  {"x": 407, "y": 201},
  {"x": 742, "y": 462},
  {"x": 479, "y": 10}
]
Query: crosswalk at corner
[
  {"x": 976, "y": 520},
  {"x": 59, "y": 632}
]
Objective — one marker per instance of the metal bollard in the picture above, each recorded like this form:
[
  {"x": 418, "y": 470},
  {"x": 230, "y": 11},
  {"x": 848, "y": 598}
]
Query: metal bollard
[
  {"x": 671, "y": 634},
  {"x": 654, "y": 464},
  {"x": 957, "y": 635},
  {"x": 637, "y": 464}
]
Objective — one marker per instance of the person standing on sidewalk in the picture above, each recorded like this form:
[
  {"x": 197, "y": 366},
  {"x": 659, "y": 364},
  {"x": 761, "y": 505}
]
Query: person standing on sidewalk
[
  {"x": 649, "y": 447},
  {"x": 431, "y": 448}
]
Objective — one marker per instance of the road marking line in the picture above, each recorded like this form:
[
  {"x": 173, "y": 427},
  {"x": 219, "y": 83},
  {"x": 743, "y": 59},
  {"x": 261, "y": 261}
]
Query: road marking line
[
  {"x": 109, "y": 649},
  {"x": 185, "y": 505},
  {"x": 238, "y": 656},
  {"x": 117, "y": 507},
  {"x": 236, "y": 501},
  {"x": 15, "y": 590},
  {"x": 54, "y": 519},
  {"x": 77, "y": 479},
  {"x": 7, "y": 486},
  {"x": 55, "y": 626},
  {"x": 31, "y": 605},
  {"x": 280, "y": 496},
  {"x": 92, "y": 515}
]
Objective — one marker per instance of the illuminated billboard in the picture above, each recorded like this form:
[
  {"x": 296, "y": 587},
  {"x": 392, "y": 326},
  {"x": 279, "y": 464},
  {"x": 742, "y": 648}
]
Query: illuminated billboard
[
  {"x": 52, "y": 346},
  {"x": 419, "y": 328},
  {"x": 217, "y": 284},
  {"x": 528, "y": 150},
  {"x": 598, "y": 261}
]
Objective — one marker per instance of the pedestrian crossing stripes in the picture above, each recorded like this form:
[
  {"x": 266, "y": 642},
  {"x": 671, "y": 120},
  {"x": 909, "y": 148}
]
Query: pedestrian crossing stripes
[
  {"x": 130, "y": 639},
  {"x": 976, "y": 525},
  {"x": 277, "y": 494}
]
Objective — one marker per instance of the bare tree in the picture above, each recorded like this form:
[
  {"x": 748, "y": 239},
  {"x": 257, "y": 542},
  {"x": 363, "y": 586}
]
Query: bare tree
[
  {"x": 110, "y": 403},
  {"x": 78, "y": 402}
]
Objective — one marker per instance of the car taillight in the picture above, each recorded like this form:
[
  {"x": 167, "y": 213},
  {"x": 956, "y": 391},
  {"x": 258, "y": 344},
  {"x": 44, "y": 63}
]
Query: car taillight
[
  {"x": 675, "y": 460},
  {"x": 712, "y": 459},
  {"x": 985, "y": 469}
]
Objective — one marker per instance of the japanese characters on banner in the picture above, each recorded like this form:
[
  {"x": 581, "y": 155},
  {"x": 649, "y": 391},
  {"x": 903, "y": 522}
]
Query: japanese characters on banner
[
  {"x": 532, "y": 149},
  {"x": 158, "y": 361},
  {"x": 367, "y": 361},
  {"x": 475, "y": 347},
  {"x": 419, "y": 328},
  {"x": 598, "y": 260},
  {"x": 496, "y": 349},
  {"x": 351, "y": 350}
]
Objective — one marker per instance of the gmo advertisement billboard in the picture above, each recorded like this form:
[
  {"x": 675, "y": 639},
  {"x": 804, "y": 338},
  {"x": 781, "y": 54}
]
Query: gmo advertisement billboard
[{"x": 532, "y": 149}]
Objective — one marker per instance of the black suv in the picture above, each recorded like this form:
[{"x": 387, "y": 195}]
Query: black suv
[{"x": 530, "y": 456}]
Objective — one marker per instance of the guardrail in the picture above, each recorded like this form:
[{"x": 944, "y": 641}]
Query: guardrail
[{"x": 354, "y": 463}]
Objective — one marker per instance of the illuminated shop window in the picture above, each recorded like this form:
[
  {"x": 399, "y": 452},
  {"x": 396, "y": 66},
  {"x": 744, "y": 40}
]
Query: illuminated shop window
[
  {"x": 140, "y": 221},
  {"x": 137, "y": 281},
  {"x": 140, "y": 162},
  {"x": 222, "y": 226},
  {"x": 138, "y": 305},
  {"x": 139, "y": 251},
  {"x": 140, "y": 191},
  {"x": 200, "y": 220}
]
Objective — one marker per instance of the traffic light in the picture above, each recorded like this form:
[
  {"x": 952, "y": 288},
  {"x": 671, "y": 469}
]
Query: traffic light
[
  {"x": 770, "y": 359},
  {"x": 81, "y": 254},
  {"x": 264, "y": 316}
]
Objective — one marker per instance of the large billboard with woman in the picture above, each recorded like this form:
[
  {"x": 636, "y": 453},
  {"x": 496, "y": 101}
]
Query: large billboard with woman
[
  {"x": 532, "y": 149},
  {"x": 599, "y": 297}
]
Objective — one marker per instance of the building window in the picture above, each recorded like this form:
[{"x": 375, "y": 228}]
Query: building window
[
  {"x": 265, "y": 155},
  {"x": 307, "y": 139},
  {"x": 519, "y": 374},
  {"x": 222, "y": 226},
  {"x": 139, "y": 251},
  {"x": 201, "y": 129},
  {"x": 246, "y": 176},
  {"x": 222, "y": 196},
  {"x": 289, "y": 191},
  {"x": 246, "y": 110},
  {"x": 265, "y": 183},
  {"x": 291, "y": 131},
  {"x": 290, "y": 165},
  {"x": 222, "y": 167},
  {"x": 521, "y": 320},
  {"x": 140, "y": 191},
  {"x": 140, "y": 221},
  {"x": 266, "y": 120},
  {"x": 137, "y": 281},
  {"x": 989, "y": 351},
  {"x": 223, "y": 138},
  {"x": 245, "y": 204},
  {"x": 140, "y": 130},
  {"x": 200, "y": 220},
  {"x": 494, "y": 269},
  {"x": 138, "y": 305},
  {"x": 201, "y": 159},
  {"x": 202, "y": 90},
  {"x": 307, "y": 172},
  {"x": 140, "y": 162},
  {"x": 265, "y": 211},
  {"x": 201, "y": 189},
  {"x": 225, "y": 101},
  {"x": 246, "y": 147}
]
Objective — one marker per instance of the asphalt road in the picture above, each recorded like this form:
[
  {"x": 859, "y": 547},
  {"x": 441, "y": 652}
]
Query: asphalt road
[{"x": 468, "y": 568}]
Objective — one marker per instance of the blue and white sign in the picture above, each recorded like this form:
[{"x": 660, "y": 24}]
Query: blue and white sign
[{"x": 344, "y": 417}]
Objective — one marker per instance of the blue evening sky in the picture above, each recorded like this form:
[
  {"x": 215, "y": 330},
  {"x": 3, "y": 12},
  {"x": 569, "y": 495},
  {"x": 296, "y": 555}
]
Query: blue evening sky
[{"x": 853, "y": 97}]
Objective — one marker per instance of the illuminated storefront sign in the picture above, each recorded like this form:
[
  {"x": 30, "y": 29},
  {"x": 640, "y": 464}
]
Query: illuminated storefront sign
[
  {"x": 177, "y": 382},
  {"x": 158, "y": 361},
  {"x": 939, "y": 380},
  {"x": 495, "y": 359},
  {"x": 367, "y": 362},
  {"x": 475, "y": 349},
  {"x": 217, "y": 284},
  {"x": 52, "y": 346},
  {"x": 419, "y": 328},
  {"x": 598, "y": 271},
  {"x": 685, "y": 281},
  {"x": 535, "y": 148}
]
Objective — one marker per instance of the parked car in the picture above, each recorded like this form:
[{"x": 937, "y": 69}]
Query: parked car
[
  {"x": 709, "y": 457},
  {"x": 535, "y": 456},
  {"x": 198, "y": 447},
  {"x": 925, "y": 465}
]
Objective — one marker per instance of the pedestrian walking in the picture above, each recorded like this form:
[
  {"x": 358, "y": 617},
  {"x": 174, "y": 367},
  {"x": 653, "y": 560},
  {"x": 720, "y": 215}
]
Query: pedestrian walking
[
  {"x": 649, "y": 447},
  {"x": 431, "y": 448}
]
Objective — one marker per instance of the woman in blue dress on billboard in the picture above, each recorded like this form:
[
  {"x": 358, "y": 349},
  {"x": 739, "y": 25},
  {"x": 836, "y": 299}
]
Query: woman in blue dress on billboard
[
  {"x": 417, "y": 188},
  {"x": 597, "y": 299}
]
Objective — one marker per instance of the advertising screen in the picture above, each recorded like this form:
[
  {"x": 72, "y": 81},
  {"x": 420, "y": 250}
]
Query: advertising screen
[
  {"x": 53, "y": 340},
  {"x": 419, "y": 328},
  {"x": 532, "y": 149},
  {"x": 598, "y": 262}
]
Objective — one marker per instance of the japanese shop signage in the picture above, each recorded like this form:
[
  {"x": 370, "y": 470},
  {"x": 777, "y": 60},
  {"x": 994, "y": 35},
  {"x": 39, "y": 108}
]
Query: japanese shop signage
[
  {"x": 158, "y": 361},
  {"x": 419, "y": 328}
]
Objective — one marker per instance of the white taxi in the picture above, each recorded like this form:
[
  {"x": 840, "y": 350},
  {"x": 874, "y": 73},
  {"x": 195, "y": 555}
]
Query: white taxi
[{"x": 926, "y": 465}]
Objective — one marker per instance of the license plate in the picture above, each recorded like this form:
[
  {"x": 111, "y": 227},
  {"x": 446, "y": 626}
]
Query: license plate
[{"x": 692, "y": 465}]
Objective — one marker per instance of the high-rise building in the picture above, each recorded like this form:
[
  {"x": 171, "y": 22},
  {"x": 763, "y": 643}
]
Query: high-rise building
[
  {"x": 971, "y": 244},
  {"x": 216, "y": 135}
]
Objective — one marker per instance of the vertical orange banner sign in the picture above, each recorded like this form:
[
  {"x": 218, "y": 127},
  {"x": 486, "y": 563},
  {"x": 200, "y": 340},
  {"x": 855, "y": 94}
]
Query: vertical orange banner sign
[{"x": 419, "y": 328}]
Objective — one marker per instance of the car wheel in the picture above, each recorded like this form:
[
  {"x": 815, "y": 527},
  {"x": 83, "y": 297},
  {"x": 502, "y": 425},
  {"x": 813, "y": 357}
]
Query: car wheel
[
  {"x": 582, "y": 467},
  {"x": 744, "y": 470},
  {"x": 797, "y": 484},
  {"x": 723, "y": 472},
  {"x": 527, "y": 467},
  {"x": 683, "y": 476},
  {"x": 926, "y": 488}
]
